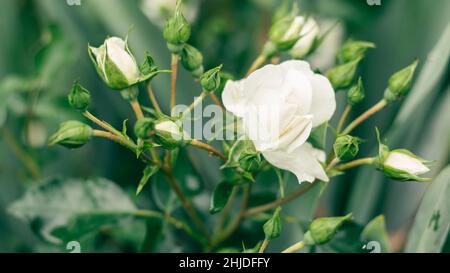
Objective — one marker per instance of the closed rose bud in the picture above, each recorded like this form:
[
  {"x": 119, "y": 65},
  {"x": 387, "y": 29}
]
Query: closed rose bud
[
  {"x": 177, "y": 31},
  {"x": 169, "y": 134},
  {"x": 346, "y": 147},
  {"x": 115, "y": 64},
  {"x": 72, "y": 134},
  {"x": 403, "y": 165},
  {"x": 400, "y": 83},
  {"x": 272, "y": 228},
  {"x": 353, "y": 50},
  {"x": 343, "y": 76},
  {"x": 308, "y": 37},
  {"x": 356, "y": 94},
  {"x": 79, "y": 97},
  {"x": 144, "y": 127},
  {"x": 192, "y": 60},
  {"x": 250, "y": 161},
  {"x": 210, "y": 80},
  {"x": 286, "y": 32},
  {"x": 323, "y": 230}
]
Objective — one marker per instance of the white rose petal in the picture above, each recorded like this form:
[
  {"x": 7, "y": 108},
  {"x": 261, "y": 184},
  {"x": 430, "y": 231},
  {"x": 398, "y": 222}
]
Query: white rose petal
[
  {"x": 279, "y": 106},
  {"x": 406, "y": 163},
  {"x": 125, "y": 62}
]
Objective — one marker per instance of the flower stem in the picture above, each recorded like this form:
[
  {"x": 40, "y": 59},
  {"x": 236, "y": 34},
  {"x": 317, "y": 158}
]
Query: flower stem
[
  {"x": 101, "y": 123},
  {"x": 264, "y": 245},
  {"x": 332, "y": 164},
  {"x": 208, "y": 148},
  {"x": 137, "y": 109},
  {"x": 196, "y": 102},
  {"x": 356, "y": 163},
  {"x": 236, "y": 221},
  {"x": 153, "y": 99},
  {"x": 217, "y": 102},
  {"x": 294, "y": 248},
  {"x": 118, "y": 139},
  {"x": 279, "y": 202},
  {"x": 28, "y": 162},
  {"x": 376, "y": 108},
  {"x": 173, "y": 82},
  {"x": 260, "y": 60},
  {"x": 186, "y": 203},
  {"x": 343, "y": 118}
]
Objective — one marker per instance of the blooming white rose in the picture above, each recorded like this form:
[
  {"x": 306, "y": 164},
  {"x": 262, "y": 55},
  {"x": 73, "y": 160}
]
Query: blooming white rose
[
  {"x": 279, "y": 105},
  {"x": 115, "y": 63},
  {"x": 308, "y": 34}
]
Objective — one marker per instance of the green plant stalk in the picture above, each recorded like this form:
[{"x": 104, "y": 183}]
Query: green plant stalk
[
  {"x": 196, "y": 102},
  {"x": 343, "y": 119},
  {"x": 294, "y": 248},
  {"x": 375, "y": 109},
  {"x": 173, "y": 81},
  {"x": 356, "y": 163}
]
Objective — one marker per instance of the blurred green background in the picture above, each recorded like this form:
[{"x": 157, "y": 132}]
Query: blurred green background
[{"x": 43, "y": 49}]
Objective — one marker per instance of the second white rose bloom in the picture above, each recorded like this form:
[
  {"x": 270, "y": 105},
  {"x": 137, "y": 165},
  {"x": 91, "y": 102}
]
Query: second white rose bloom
[{"x": 279, "y": 106}]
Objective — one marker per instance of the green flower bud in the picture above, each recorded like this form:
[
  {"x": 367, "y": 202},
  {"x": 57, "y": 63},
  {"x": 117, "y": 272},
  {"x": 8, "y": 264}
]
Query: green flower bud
[
  {"x": 72, "y": 134},
  {"x": 346, "y": 147},
  {"x": 250, "y": 161},
  {"x": 353, "y": 50},
  {"x": 177, "y": 30},
  {"x": 272, "y": 228},
  {"x": 192, "y": 60},
  {"x": 79, "y": 97},
  {"x": 169, "y": 134},
  {"x": 356, "y": 94},
  {"x": 210, "y": 80},
  {"x": 343, "y": 76},
  {"x": 144, "y": 127},
  {"x": 286, "y": 32},
  {"x": 322, "y": 230},
  {"x": 400, "y": 83}
]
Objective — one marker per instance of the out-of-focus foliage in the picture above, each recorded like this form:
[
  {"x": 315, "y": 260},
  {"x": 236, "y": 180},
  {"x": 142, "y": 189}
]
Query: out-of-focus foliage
[{"x": 43, "y": 49}]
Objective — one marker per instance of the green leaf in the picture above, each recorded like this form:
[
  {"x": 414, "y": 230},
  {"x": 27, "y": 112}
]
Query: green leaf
[
  {"x": 149, "y": 171},
  {"x": 64, "y": 210},
  {"x": 318, "y": 137},
  {"x": 153, "y": 234},
  {"x": 220, "y": 197},
  {"x": 430, "y": 228},
  {"x": 376, "y": 231}
]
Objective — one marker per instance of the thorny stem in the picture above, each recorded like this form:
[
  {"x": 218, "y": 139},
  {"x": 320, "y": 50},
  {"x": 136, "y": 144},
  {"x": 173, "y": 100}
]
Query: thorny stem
[
  {"x": 343, "y": 118},
  {"x": 356, "y": 163},
  {"x": 208, "y": 148},
  {"x": 294, "y": 248},
  {"x": 151, "y": 96},
  {"x": 173, "y": 82},
  {"x": 376, "y": 108}
]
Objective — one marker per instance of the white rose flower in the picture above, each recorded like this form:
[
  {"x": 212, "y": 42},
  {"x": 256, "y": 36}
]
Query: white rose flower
[
  {"x": 115, "y": 63},
  {"x": 308, "y": 35},
  {"x": 279, "y": 105}
]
